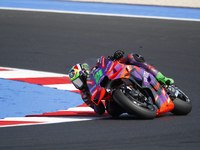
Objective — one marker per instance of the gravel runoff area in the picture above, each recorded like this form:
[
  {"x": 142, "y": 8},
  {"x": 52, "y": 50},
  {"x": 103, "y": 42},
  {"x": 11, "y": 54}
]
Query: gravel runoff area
[{"x": 172, "y": 3}]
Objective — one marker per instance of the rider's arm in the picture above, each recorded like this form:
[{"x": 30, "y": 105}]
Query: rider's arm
[{"x": 86, "y": 98}]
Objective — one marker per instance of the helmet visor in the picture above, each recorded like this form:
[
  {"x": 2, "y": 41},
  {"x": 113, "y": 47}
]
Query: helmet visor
[{"x": 78, "y": 83}]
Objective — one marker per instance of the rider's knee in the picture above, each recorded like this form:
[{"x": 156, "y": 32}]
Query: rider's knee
[{"x": 99, "y": 109}]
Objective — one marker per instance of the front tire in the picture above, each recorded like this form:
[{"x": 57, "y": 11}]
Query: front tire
[{"x": 132, "y": 107}]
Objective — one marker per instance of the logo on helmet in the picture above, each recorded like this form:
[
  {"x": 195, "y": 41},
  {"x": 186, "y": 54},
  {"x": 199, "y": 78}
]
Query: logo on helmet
[{"x": 73, "y": 74}]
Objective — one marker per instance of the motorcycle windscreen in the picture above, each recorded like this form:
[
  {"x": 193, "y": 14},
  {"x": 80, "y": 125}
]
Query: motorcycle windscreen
[{"x": 91, "y": 62}]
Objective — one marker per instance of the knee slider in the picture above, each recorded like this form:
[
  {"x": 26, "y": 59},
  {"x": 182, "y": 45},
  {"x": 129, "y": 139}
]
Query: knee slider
[{"x": 138, "y": 58}]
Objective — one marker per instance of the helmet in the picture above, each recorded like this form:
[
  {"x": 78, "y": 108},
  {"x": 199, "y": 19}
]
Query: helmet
[{"x": 78, "y": 75}]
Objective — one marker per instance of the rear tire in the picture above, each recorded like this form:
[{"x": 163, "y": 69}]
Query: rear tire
[
  {"x": 132, "y": 107},
  {"x": 182, "y": 105}
]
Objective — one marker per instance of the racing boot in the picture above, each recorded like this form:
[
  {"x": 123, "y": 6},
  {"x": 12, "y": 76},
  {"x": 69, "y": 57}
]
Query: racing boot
[{"x": 165, "y": 80}]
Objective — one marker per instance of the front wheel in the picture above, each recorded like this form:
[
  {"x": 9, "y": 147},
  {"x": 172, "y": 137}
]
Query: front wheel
[{"x": 133, "y": 106}]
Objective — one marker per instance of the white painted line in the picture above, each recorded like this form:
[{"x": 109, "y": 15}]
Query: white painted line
[
  {"x": 62, "y": 86},
  {"x": 79, "y": 109},
  {"x": 45, "y": 120},
  {"x": 100, "y": 14}
]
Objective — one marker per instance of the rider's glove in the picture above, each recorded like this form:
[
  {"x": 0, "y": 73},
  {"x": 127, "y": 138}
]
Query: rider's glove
[{"x": 117, "y": 55}]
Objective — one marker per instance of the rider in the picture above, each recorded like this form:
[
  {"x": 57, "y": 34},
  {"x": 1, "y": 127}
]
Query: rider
[{"x": 78, "y": 75}]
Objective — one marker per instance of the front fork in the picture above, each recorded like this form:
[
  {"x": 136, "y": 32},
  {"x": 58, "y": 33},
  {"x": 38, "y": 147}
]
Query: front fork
[{"x": 172, "y": 91}]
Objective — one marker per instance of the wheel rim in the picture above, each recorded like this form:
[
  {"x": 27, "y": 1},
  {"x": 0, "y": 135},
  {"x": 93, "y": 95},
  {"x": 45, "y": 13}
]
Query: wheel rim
[{"x": 138, "y": 101}]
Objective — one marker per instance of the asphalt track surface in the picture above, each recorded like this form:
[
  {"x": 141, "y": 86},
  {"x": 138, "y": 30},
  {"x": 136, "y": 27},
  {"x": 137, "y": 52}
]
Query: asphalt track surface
[{"x": 54, "y": 42}]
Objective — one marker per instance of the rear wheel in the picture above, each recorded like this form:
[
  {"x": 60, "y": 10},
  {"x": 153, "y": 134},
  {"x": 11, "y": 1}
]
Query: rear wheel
[
  {"x": 182, "y": 104},
  {"x": 141, "y": 108}
]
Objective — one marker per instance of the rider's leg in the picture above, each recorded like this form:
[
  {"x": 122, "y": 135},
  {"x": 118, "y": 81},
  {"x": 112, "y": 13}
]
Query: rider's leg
[
  {"x": 139, "y": 61},
  {"x": 99, "y": 109}
]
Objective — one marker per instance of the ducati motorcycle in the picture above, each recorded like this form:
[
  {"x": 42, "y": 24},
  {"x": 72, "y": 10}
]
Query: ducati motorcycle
[{"x": 134, "y": 90}]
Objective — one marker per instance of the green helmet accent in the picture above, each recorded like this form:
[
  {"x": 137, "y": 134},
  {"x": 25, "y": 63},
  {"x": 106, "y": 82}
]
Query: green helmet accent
[{"x": 74, "y": 73}]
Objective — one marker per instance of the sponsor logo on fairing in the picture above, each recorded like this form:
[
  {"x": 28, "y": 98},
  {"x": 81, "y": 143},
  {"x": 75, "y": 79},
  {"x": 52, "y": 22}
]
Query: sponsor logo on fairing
[
  {"x": 168, "y": 99},
  {"x": 90, "y": 82},
  {"x": 163, "y": 91},
  {"x": 156, "y": 98},
  {"x": 103, "y": 62},
  {"x": 107, "y": 66},
  {"x": 146, "y": 75},
  {"x": 111, "y": 67},
  {"x": 129, "y": 68}
]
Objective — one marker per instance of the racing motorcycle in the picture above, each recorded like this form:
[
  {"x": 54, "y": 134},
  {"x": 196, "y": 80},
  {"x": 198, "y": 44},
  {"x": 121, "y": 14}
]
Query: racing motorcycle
[{"x": 135, "y": 90}]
